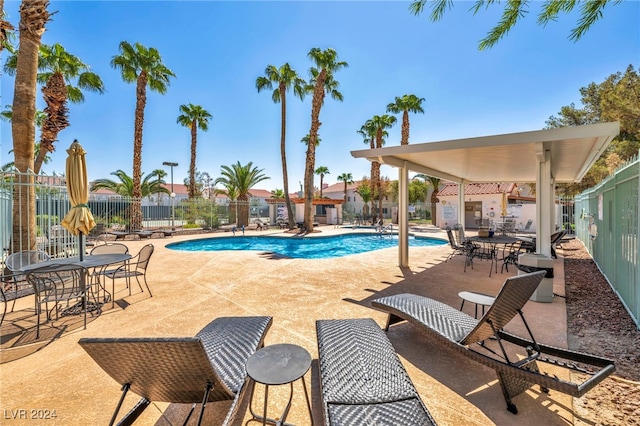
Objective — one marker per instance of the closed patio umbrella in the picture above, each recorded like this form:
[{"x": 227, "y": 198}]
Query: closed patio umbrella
[
  {"x": 503, "y": 205},
  {"x": 79, "y": 220}
]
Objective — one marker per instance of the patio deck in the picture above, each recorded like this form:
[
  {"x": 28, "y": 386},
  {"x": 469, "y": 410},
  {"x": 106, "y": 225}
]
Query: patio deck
[{"x": 190, "y": 289}]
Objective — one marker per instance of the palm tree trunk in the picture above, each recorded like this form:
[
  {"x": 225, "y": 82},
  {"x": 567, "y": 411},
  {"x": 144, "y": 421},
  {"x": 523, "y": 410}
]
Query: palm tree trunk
[
  {"x": 405, "y": 128},
  {"x": 283, "y": 154},
  {"x": 192, "y": 164},
  {"x": 56, "y": 118},
  {"x": 434, "y": 201},
  {"x": 33, "y": 18},
  {"x": 141, "y": 101},
  {"x": 316, "y": 105}
]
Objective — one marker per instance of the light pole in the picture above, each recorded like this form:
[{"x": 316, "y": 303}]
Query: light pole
[{"x": 173, "y": 194}]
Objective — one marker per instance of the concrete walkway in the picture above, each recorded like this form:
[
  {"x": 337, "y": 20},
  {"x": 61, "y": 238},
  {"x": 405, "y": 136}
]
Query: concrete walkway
[{"x": 190, "y": 289}]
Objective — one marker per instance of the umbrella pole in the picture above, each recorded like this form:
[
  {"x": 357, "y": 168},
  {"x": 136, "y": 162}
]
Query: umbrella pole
[{"x": 80, "y": 246}]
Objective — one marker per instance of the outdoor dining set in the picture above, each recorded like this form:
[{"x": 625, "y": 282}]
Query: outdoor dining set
[{"x": 73, "y": 285}]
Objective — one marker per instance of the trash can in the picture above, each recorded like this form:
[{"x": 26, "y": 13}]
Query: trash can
[{"x": 529, "y": 262}]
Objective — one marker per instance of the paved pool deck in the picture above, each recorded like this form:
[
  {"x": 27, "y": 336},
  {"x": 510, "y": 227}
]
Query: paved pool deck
[{"x": 190, "y": 289}]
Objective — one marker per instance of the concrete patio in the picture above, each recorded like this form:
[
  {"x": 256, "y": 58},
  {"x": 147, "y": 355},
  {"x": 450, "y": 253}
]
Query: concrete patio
[{"x": 190, "y": 289}]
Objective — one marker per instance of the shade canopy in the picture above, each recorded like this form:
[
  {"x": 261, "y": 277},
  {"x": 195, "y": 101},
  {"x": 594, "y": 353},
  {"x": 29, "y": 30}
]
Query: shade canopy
[
  {"x": 546, "y": 157},
  {"x": 503, "y": 158},
  {"x": 79, "y": 219}
]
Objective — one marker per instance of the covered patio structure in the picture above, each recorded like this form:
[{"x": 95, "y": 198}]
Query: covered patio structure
[{"x": 546, "y": 157}]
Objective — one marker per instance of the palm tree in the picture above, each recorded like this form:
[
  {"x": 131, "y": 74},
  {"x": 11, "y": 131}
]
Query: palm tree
[
  {"x": 7, "y": 115},
  {"x": 57, "y": 69},
  {"x": 33, "y": 19},
  {"x": 286, "y": 79},
  {"x": 6, "y": 30},
  {"x": 347, "y": 178},
  {"x": 365, "y": 192},
  {"x": 380, "y": 123},
  {"x": 435, "y": 182},
  {"x": 277, "y": 193},
  {"x": 143, "y": 66},
  {"x": 194, "y": 117},
  {"x": 161, "y": 174},
  {"x": 322, "y": 80},
  {"x": 151, "y": 184},
  {"x": 322, "y": 170},
  {"x": 406, "y": 104},
  {"x": 242, "y": 179},
  {"x": 368, "y": 133}
]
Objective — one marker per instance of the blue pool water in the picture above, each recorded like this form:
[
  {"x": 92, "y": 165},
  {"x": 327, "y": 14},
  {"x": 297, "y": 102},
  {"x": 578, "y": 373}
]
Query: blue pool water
[{"x": 304, "y": 248}]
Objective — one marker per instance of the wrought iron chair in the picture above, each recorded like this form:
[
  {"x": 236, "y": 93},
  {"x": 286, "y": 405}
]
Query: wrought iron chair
[
  {"x": 19, "y": 286},
  {"x": 60, "y": 285},
  {"x": 136, "y": 268},
  {"x": 108, "y": 248}
]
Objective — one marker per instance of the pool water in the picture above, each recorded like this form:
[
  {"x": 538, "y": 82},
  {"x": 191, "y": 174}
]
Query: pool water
[{"x": 305, "y": 248}]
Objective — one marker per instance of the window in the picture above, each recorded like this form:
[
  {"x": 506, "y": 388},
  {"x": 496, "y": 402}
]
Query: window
[{"x": 349, "y": 199}]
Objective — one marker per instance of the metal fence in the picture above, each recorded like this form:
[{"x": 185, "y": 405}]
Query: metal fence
[
  {"x": 48, "y": 195},
  {"x": 608, "y": 222}
]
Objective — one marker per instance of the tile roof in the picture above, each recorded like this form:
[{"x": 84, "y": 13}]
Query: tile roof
[{"x": 478, "y": 189}]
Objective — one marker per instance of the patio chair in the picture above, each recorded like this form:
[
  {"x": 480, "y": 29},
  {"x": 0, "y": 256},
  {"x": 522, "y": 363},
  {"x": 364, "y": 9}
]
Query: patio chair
[
  {"x": 18, "y": 285},
  {"x": 362, "y": 379},
  {"x": 463, "y": 249},
  {"x": 447, "y": 326},
  {"x": 526, "y": 228},
  {"x": 205, "y": 368},
  {"x": 136, "y": 268},
  {"x": 98, "y": 273},
  {"x": 59, "y": 285}
]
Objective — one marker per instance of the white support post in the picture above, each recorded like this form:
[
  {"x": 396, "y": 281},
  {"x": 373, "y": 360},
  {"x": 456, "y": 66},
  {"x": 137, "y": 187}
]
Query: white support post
[
  {"x": 403, "y": 215},
  {"x": 544, "y": 203}
]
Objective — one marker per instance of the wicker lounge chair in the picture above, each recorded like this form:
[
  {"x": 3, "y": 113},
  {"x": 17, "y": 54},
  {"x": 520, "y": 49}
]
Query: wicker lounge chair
[
  {"x": 448, "y": 326},
  {"x": 362, "y": 379},
  {"x": 205, "y": 368}
]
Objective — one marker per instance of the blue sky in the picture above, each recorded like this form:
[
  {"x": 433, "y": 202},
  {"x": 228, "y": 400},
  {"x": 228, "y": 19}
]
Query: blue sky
[{"x": 218, "y": 49}]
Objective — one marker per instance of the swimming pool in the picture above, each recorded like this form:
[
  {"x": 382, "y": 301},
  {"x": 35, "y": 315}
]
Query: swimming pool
[{"x": 305, "y": 247}]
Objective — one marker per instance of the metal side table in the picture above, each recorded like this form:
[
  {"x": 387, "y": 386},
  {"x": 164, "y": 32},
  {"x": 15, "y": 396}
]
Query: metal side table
[{"x": 278, "y": 365}]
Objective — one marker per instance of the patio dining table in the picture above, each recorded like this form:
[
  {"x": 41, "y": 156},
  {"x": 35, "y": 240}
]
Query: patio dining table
[
  {"x": 489, "y": 249},
  {"x": 91, "y": 261}
]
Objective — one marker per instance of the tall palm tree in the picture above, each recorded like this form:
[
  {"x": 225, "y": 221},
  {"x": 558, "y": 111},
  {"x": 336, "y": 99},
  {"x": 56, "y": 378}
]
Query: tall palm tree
[
  {"x": 322, "y": 80},
  {"x": 322, "y": 170},
  {"x": 242, "y": 179},
  {"x": 347, "y": 178},
  {"x": 143, "y": 66},
  {"x": 151, "y": 184},
  {"x": 435, "y": 182},
  {"x": 161, "y": 174},
  {"x": 368, "y": 133},
  {"x": 380, "y": 123},
  {"x": 285, "y": 78},
  {"x": 194, "y": 117},
  {"x": 57, "y": 70},
  {"x": 33, "y": 19},
  {"x": 405, "y": 105}
]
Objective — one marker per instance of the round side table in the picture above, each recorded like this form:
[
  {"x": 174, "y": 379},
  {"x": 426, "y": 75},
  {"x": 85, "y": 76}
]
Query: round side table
[
  {"x": 275, "y": 365},
  {"x": 477, "y": 298}
]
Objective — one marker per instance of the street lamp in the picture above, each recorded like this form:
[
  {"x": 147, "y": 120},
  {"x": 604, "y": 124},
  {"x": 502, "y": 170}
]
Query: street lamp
[{"x": 173, "y": 194}]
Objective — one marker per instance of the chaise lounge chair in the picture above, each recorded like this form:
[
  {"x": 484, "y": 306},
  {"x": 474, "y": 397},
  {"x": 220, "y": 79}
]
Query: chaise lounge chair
[
  {"x": 362, "y": 379},
  {"x": 446, "y": 325},
  {"x": 205, "y": 368}
]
